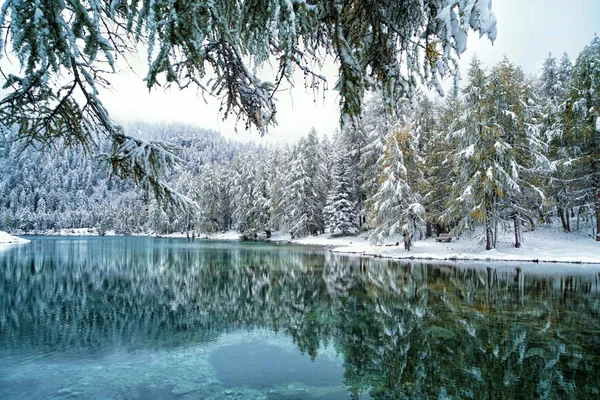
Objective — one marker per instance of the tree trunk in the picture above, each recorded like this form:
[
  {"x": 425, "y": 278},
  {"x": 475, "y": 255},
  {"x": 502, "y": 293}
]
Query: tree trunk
[
  {"x": 495, "y": 224},
  {"x": 517, "y": 223},
  {"x": 531, "y": 221},
  {"x": 568, "y": 220},
  {"x": 187, "y": 226},
  {"x": 561, "y": 214},
  {"x": 490, "y": 241},
  {"x": 489, "y": 232}
]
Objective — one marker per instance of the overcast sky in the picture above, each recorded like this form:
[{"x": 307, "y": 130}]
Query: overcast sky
[{"x": 527, "y": 31}]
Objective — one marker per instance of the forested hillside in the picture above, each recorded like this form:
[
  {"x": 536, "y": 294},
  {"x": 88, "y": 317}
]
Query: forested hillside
[{"x": 507, "y": 151}]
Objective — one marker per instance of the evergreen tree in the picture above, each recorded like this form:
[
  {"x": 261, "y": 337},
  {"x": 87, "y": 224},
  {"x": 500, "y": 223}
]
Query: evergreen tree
[
  {"x": 501, "y": 155},
  {"x": 424, "y": 124},
  {"x": 306, "y": 193},
  {"x": 280, "y": 159},
  {"x": 208, "y": 196},
  {"x": 554, "y": 85},
  {"x": 395, "y": 207},
  {"x": 475, "y": 193},
  {"x": 515, "y": 112},
  {"x": 248, "y": 201},
  {"x": 439, "y": 171},
  {"x": 340, "y": 211},
  {"x": 375, "y": 125},
  {"x": 581, "y": 141}
]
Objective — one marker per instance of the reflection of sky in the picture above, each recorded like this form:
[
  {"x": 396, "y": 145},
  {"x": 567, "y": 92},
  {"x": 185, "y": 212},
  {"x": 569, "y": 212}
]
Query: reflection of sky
[{"x": 199, "y": 370}]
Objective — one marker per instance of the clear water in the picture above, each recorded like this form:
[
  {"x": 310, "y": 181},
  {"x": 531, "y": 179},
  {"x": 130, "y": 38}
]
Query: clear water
[{"x": 144, "y": 318}]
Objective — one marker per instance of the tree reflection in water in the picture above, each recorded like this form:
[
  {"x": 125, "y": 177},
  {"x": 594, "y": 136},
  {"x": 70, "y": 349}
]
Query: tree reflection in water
[{"x": 402, "y": 330}]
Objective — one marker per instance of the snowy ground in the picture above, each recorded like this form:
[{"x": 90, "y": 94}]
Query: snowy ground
[
  {"x": 545, "y": 244},
  {"x": 5, "y": 238}
]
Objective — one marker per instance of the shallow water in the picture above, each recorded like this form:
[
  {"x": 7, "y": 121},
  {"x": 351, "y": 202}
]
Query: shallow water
[{"x": 145, "y": 318}]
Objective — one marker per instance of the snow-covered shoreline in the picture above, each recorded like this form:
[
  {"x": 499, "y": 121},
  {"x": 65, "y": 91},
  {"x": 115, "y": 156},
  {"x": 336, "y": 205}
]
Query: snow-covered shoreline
[
  {"x": 6, "y": 238},
  {"x": 547, "y": 244}
]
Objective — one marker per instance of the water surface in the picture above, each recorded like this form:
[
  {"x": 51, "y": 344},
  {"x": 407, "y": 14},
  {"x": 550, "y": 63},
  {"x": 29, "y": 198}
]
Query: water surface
[{"x": 145, "y": 318}]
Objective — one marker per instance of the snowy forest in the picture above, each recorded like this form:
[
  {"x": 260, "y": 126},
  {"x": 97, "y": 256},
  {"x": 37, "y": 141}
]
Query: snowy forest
[{"x": 505, "y": 151}]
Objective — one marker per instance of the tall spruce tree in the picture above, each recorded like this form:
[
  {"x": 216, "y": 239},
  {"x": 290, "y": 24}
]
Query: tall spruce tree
[
  {"x": 500, "y": 152},
  {"x": 439, "y": 170},
  {"x": 395, "y": 207},
  {"x": 340, "y": 210},
  {"x": 475, "y": 193},
  {"x": 515, "y": 112},
  {"x": 582, "y": 133},
  {"x": 553, "y": 87},
  {"x": 423, "y": 119},
  {"x": 307, "y": 188}
]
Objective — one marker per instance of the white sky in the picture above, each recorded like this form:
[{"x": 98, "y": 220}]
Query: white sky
[{"x": 527, "y": 31}]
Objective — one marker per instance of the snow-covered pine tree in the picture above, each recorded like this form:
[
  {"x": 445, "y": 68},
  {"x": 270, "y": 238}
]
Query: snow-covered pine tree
[
  {"x": 307, "y": 184},
  {"x": 553, "y": 86},
  {"x": 474, "y": 195},
  {"x": 565, "y": 75},
  {"x": 280, "y": 158},
  {"x": 330, "y": 157},
  {"x": 424, "y": 125},
  {"x": 340, "y": 210},
  {"x": 581, "y": 141},
  {"x": 262, "y": 196},
  {"x": 376, "y": 123},
  {"x": 251, "y": 198},
  {"x": 439, "y": 171},
  {"x": 353, "y": 137},
  {"x": 522, "y": 165},
  {"x": 424, "y": 121},
  {"x": 395, "y": 207},
  {"x": 501, "y": 156},
  {"x": 207, "y": 194}
]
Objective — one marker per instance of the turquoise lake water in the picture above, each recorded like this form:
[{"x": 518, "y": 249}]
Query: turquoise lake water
[{"x": 147, "y": 318}]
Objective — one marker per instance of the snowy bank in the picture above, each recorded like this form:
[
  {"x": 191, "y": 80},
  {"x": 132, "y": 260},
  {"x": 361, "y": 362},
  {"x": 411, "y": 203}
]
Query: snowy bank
[
  {"x": 545, "y": 244},
  {"x": 5, "y": 238}
]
